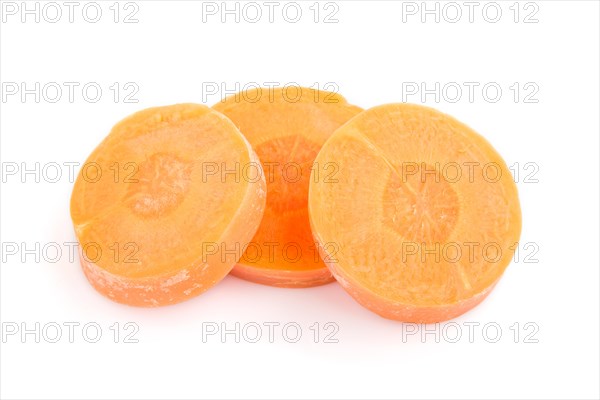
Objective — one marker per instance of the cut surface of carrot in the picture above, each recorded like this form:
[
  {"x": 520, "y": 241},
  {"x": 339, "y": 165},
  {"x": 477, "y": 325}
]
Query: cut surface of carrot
[
  {"x": 286, "y": 127},
  {"x": 424, "y": 216},
  {"x": 156, "y": 218}
]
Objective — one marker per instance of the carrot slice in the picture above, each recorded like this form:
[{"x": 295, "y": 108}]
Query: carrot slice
[
  {"x": 286, "y": 128},
  {"x": 155, "y": 222},
  {"x": 424, "y": 217}
]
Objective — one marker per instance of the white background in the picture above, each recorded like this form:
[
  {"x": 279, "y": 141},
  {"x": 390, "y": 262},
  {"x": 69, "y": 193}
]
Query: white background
[{"x": 369, "y": 53}]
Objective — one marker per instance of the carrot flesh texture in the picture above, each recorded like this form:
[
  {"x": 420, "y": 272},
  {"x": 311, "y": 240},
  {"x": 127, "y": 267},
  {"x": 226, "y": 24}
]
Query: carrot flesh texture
[
  {"x": 162, "y": 223},
  {"x": 398, "y": 225},
  {"x": 287, "y": 131}
]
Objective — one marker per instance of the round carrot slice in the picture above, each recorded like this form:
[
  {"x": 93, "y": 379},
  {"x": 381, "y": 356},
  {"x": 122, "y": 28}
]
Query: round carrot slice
[
  {"x": 423, "y": 218},
  {"x": 286, "y": 127},
  {"x": 159, "y": 215}
]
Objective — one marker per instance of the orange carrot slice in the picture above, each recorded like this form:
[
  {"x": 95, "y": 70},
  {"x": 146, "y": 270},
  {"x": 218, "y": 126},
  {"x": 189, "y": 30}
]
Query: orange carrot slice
[
  {"x": 424, "y": 217},
  {"x": 286, "y": 128},
  {"x": 156, "y": 222}
]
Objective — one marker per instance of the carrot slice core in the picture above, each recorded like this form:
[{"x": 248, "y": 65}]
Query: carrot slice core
[
  {"x": 158, "y": 214},
  {"x": 424, "y": 216},
  {"x": 287, "y": 129}
]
